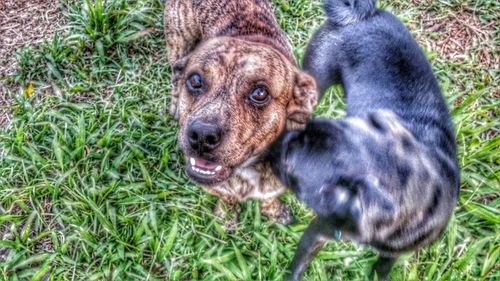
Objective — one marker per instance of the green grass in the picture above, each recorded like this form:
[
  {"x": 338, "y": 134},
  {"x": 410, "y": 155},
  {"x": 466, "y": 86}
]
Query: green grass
[{"x": 91, "y": 178}]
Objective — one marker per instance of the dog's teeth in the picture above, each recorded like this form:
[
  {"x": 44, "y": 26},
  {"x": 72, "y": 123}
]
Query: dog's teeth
[
  {"x": 218, "y": 168},
  {"x": 193, "y": 162},
  {"x": 201, "y": 171}
]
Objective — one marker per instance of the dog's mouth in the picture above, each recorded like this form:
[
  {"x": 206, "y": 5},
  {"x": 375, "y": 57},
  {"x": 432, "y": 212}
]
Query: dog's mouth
[{"x": 207, "y": 172}]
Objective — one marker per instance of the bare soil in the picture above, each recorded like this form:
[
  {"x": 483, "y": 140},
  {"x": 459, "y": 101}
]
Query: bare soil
[
  {"x": 22, "y": 23},
  {"x": 460, "y": 36}
]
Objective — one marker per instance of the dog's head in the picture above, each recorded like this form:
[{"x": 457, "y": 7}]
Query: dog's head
[{"x": 235, "y": 98}]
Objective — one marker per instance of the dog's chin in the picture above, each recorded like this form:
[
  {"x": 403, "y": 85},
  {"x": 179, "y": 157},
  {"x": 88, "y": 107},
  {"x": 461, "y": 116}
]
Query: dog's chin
[{"x": 205, "y": 172}]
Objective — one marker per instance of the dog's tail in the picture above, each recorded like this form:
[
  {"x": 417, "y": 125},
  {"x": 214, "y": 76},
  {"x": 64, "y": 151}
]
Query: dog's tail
[{"x": 343, "y": 12}]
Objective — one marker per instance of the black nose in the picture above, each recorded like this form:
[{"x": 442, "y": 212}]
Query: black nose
[{"x": 204, "y": 136}]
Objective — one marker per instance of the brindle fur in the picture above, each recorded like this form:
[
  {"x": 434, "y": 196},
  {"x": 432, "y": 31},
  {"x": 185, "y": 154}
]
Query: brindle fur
[{"x": 234, "y": 43}]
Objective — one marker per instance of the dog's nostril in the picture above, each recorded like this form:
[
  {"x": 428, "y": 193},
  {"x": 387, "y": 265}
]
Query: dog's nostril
[
  {"x": 193, "y": 136},
  {"x": 212, "y": 139}
]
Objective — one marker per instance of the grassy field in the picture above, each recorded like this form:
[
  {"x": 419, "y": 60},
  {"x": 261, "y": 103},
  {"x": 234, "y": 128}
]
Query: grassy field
[{"x": 92, "y": 184}]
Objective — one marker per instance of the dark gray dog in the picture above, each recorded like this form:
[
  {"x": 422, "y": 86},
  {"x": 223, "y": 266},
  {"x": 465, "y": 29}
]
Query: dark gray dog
[{"x": 387, "y": 174}]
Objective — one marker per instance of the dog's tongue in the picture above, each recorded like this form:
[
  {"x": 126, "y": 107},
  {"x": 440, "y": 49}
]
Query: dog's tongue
[{"x": 202, "y": 163}]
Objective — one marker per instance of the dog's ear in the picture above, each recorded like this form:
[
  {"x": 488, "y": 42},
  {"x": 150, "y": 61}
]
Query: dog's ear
[
  {"x": 305, "y": 97},
  {"x": 178, "y": 70}
]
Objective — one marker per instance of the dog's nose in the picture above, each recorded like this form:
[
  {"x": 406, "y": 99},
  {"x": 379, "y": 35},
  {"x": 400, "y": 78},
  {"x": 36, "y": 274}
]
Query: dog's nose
[{"x": 203, "y": 136}]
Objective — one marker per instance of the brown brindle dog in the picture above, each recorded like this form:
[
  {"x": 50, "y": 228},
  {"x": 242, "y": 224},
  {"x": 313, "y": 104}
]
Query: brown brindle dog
[{"x": 236, "y": 86}]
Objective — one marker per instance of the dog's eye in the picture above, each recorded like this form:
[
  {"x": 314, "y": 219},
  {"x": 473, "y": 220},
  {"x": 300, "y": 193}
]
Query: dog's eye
[
  {"x": 259, "y": 96},
  {"x": 194, "y": 83}
]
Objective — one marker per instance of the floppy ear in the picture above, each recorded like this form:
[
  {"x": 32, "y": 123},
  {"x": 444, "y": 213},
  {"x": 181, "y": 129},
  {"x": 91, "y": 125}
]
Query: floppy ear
[{"x": 305, "y": 97}]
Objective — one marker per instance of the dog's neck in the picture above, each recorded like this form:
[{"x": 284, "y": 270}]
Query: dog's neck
[
  {"x": 250, "y": 162},
  {"x": 284, "y": 50}
]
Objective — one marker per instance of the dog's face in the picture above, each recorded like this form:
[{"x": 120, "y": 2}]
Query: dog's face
[{"x": 235, "y": 98}]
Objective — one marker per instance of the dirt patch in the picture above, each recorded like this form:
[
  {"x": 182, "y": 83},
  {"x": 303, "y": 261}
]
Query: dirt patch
[
  {"x": 22, "y": 22},
  {"x": 25, "y": 22},
  {"x": 460, "y": 36}
]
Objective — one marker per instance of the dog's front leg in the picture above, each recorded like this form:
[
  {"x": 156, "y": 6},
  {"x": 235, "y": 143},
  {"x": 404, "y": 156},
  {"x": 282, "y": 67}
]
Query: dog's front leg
[
  {"x": 227, "y": 210},
  {"x": 313, "y": 239},
  {"x": 382, "y": 267}
]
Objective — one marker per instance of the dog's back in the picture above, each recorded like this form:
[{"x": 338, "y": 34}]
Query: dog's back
[
  {"x": 406, "y": 189},
  {"x": 385, "y": 73},
  {"x": 199, "y": 20},
  {"x": 381, "y": 66}
]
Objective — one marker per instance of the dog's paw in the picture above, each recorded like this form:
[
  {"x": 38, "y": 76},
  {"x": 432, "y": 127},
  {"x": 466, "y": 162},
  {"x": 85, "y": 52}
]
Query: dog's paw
[
  {"x": 277, "y": 211},
  {"x": 228, "y": 213},
  {"x": 231, "y": 224},
  {"x": 285, "y": 217}
]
